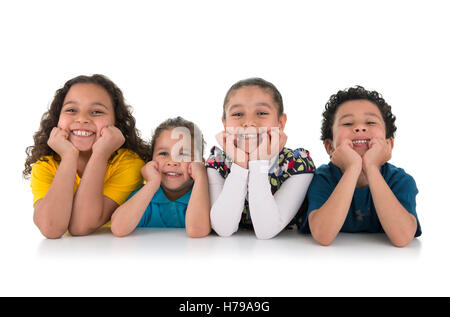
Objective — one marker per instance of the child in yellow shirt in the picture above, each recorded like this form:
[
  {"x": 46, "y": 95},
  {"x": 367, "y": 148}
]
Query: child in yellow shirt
[{"x": 86, "y": 159}]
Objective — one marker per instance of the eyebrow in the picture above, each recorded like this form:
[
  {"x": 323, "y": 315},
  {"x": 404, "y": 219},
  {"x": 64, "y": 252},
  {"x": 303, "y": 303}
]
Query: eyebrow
[
  {"x": 366, "y": 113},
  {"x": 161, "y": 148},
  {"x": 260, "y": 104},
  {"x": 96, "y": 103}
]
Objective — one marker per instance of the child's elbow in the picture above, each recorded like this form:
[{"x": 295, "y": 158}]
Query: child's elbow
[
  {"x": 401, "y": 242},
  {"x": 198, "y": 232},
  {"x": 323, "y": 238},
  {"x": 221, "y": 230},
  {"x": 264, "y": 235},
  {"x": 118, "y": 231},
  {"x": 49, "y": 230},
  {"x": 52, "y": 233},
  {"x": 79, "y": 230}
]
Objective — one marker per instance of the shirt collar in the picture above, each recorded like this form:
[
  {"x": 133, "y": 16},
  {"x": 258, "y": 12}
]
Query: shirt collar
[{"x": 161, "y": 198}]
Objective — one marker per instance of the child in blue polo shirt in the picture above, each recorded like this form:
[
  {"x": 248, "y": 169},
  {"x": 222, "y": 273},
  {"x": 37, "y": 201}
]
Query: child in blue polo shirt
[
  {"x": 176, "y": 190},
  {"x": 359, "y": 191}
]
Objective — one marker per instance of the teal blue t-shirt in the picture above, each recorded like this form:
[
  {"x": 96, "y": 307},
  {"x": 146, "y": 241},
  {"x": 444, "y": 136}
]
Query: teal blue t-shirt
[
  {"x": 163, "y": 213},
  {"x": 362, "y": 216}
]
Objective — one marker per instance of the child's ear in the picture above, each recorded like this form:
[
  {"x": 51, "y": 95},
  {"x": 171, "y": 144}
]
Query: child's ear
[
  {"x": 282, "y": 121},
  {"x": 328, "y": 144},
  {"x": 391, "y": 142}
]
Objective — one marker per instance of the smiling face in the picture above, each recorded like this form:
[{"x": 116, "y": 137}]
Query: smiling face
[
  {"x": 249, "y": 109},
  {"x": 173, "y": 155},
  {"x": 86, "y": 110},
  {"x": 358, "y": 121}
]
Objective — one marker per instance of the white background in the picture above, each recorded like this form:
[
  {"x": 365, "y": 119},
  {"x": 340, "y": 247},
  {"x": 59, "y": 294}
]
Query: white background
[{"x": 179, "y": 58}]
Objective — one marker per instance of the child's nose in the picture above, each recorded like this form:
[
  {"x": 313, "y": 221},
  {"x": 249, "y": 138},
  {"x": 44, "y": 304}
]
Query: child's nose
[
  {"x": 171, "y": 162},
  {"x": 249, "y": 123},
  {"x": 359, "y": 129},
  {"x": 82, "y": 117}
]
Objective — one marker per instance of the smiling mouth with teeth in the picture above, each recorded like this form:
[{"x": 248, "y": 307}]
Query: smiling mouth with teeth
[
  {"x": 358, "y": 142},
  {"x": 82, "y": 133},
  {"x": 247, "y": 136},
  {"x": 172, "y": 174}
]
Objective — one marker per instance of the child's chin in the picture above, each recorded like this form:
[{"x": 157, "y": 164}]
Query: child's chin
[
  {"x": 361, "y": 152},
  {"x": 83, "y": 148},
  {"x": 176, "y": 187},
  {"x": 247, "y": 147}
]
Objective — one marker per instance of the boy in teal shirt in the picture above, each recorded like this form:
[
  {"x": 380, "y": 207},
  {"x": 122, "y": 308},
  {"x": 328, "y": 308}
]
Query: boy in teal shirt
[
  {"x": 176, "y": 190},
  {"x": 359, "y": 191}
]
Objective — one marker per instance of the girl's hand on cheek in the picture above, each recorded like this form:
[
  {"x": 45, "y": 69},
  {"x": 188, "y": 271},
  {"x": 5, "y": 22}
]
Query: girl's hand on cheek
[
  {"x": 379, "y": 152},
  {"x": 151, "y": 173},
  {"x": 272, "y": 142},
  {"x": 196, "y": 170},
  {"x": 109, "y": 140},
  {"x": 345, "y": 157},
  {"x": 59, "y": 142},
  {"x": 227, "y": 142}
]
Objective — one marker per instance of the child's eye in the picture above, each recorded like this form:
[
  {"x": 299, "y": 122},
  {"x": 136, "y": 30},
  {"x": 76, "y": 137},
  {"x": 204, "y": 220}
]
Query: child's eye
[
  {"x": 184, "y": 156},
  {"x": 237, "y": 114},
  {"x": 347, "y": 124},
  {"x": 371, "y": 123},
  {"x": 262, "y": 113},
  {"x": 97, "y": 112},
  {"x": 163, "y": 153},
  {"x": 70, "y": 110}
]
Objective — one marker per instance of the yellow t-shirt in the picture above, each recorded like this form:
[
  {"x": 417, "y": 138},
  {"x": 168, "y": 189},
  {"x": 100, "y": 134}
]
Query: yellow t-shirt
[{"x": 123, "y": 175}]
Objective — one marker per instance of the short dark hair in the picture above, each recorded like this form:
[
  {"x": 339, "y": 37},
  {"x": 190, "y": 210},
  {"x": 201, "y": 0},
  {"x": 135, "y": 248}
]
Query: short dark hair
[
  {"x": 199, "y": 142},
  {"x": 356, "y": 93},
  {"x": 261, "y": 83}
]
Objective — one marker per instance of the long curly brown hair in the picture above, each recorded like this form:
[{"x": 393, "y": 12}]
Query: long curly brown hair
[{"x": 125, "y": 122}]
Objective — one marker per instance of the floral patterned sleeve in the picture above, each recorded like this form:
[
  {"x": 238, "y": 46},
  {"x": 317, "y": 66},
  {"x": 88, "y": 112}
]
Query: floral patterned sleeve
[{"x": 219, "y": 161}]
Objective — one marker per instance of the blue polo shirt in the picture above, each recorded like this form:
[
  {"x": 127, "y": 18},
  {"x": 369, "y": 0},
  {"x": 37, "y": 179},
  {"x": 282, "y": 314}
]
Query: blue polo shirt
[
  {"x": 362, "y": 216},
  {"x": 163, "y": 213}
]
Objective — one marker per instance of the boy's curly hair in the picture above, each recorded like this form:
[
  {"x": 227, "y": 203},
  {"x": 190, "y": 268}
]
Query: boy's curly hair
[
  {"x": 356, "y": 93},
  {"x": 125, "y": 122}
]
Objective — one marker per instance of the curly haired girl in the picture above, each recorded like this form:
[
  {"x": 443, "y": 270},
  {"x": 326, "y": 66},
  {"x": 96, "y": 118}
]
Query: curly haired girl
[{"x": 86, "y": 157}]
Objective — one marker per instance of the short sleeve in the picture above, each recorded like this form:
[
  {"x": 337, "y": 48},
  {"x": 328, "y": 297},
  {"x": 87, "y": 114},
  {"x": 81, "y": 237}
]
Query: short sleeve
[
  {"x": 42, "y": 175},
  {"x": 145, "y": 219},
  {"x": 123, "y": 176},
  {"x": 318, "y": 193},
  {"x": 405, "y": 190}
]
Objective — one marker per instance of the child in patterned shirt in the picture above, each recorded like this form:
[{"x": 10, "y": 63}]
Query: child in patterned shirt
[{"x": 254, "y": 181}]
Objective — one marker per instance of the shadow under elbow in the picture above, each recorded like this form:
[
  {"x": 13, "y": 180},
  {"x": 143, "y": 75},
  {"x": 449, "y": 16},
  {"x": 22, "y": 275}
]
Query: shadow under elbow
[{"x": 265, "y": 235}]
